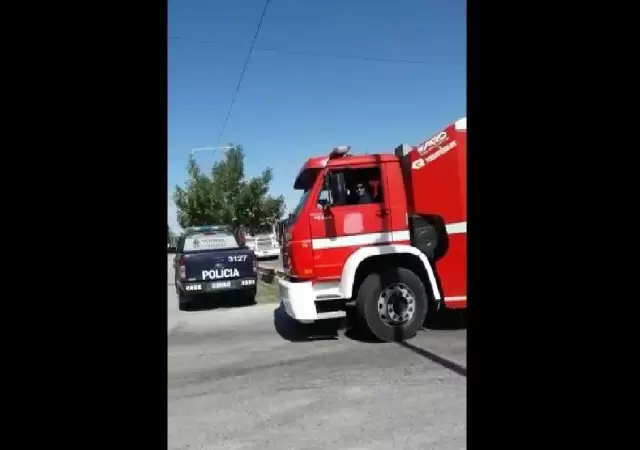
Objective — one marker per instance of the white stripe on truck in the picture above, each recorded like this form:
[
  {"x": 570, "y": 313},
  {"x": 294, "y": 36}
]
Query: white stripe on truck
[{"x": 359, "y": 240}]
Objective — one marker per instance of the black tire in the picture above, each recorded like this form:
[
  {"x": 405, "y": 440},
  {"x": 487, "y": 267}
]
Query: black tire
[
  {"x": 249, "y": 297},
  {"x": 290, "y": 329},
  {"x": 184, "y": 301},
  {"x": 367, "y": 304}
]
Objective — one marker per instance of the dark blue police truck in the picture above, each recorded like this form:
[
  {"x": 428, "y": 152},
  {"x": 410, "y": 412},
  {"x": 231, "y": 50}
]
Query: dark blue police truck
[{"x": 212, "y": 260}]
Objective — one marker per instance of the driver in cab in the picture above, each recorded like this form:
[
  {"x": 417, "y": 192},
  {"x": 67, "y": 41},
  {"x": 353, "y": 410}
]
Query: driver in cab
[{"x": 361, "y": 196}]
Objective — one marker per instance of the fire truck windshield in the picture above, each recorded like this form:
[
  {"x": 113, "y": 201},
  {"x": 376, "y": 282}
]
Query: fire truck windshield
[{"x": 303, "y": 199}]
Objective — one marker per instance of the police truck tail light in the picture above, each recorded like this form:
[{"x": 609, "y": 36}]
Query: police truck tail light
[{"x": 182, "y": 268}]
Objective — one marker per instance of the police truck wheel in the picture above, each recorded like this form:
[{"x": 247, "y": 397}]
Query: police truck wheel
[
  {"x": 250, "y": 297},
  {"x": 392, "y": 305},
  {"x": 184, "y": 302}
]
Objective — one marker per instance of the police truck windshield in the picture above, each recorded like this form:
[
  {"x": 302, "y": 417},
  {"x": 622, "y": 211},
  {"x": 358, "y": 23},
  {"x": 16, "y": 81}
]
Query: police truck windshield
[{"x": 216, "y": 240}]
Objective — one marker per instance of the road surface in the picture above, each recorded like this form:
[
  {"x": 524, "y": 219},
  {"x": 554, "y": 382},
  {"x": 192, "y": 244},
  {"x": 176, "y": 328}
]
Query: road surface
[{"x": 238, "y": 379}]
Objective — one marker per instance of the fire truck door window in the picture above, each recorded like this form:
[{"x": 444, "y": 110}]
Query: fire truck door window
[{"x": 362, "y": 186}]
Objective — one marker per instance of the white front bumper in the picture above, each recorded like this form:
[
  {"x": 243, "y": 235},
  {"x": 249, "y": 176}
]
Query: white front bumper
[
  {"x": 267, "y": 253},
  {"x": 298, "y": 300}
]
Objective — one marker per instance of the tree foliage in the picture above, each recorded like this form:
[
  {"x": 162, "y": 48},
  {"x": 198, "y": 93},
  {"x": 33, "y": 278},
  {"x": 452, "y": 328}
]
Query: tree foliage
[{"x": 225, "y": 197}]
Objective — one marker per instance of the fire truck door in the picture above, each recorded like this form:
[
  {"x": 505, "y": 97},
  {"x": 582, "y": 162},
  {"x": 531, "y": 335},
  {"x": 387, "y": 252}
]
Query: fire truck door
[{"x": 339, "y": 230}]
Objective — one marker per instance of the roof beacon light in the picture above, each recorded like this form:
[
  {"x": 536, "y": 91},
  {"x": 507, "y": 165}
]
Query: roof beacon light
[{"x": 340, "y": 151}]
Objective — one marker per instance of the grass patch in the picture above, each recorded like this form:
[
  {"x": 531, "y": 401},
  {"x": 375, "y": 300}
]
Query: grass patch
[{"x": 266, "y": 292}]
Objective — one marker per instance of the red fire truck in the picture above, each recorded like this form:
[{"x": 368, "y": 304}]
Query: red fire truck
[{"x": 386, "y": 231}]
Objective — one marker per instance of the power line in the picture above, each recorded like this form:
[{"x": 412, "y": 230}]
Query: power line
[
  {"x": 322, "y": 54},
  {"x": 244, "y": 68},
  {"x": 351, "y": 57}
]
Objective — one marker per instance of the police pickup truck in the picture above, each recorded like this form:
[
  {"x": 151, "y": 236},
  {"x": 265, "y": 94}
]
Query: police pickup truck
[{"x": 213, "y": 260}]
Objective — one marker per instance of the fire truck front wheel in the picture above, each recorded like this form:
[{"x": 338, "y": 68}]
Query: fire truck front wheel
[{"x": 392, "y": 305}]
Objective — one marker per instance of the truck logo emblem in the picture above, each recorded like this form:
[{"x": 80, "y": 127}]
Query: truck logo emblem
[
  {"x": 424, "y": 160},
  {"x": 438, "y": 139}
]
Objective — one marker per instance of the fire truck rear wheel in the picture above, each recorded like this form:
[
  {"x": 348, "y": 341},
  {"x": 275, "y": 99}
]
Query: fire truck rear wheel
[{"x": 392, "y": 305}]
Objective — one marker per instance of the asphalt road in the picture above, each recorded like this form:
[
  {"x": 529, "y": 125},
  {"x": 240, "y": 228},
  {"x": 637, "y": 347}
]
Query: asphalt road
[{"x": 239, "y": 378}]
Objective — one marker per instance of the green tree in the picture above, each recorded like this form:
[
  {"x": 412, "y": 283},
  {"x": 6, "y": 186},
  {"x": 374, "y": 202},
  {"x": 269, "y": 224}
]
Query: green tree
[{"x": 225, "y": 196}]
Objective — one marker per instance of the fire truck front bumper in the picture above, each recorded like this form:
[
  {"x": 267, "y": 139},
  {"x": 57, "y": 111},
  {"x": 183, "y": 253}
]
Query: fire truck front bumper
[{"x": 298, "y": 300}]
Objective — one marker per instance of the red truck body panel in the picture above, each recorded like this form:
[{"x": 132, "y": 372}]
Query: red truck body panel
[
  {"x": 428, "y": 179},
  {"x": 437, "y": 184},
  {"x": 439, "y": 175}
]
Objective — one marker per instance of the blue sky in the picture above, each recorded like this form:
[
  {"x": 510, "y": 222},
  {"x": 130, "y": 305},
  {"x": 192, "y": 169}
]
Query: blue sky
[{"x": 293, "y": 105}]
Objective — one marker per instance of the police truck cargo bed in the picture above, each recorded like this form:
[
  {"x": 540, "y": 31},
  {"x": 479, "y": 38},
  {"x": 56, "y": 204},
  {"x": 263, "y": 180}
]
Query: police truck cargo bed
[{"x": 210, "y": 260}]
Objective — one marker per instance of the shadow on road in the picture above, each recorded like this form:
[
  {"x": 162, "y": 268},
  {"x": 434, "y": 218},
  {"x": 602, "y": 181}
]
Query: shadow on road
[
  {"x": 444, "y": 362},
  {"x": 446, "y": 320},
  {"x": 208, "y": 303},
  {"x": 442, "y": 320},
  {"x": 293, "y": 331}
]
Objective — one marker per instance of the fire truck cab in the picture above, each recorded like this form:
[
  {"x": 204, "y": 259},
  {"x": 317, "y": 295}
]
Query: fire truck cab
[{"x": 387, "y": 231}]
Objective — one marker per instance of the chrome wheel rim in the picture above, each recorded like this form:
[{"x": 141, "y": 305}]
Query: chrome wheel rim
[{"x": 396, "y": 304}]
